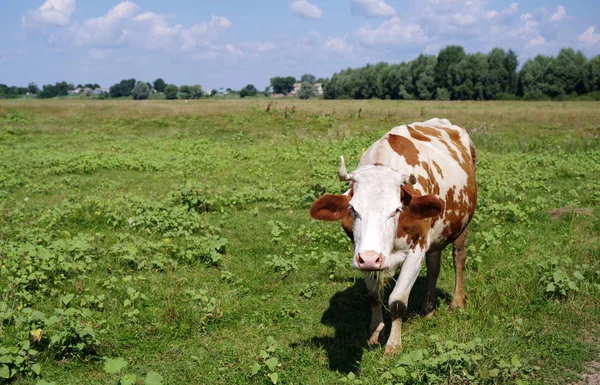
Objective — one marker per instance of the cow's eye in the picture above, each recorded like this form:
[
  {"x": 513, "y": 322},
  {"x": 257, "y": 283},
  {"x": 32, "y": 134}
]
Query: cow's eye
[
  {"x": 398, "y": 210},
  {"x": 354, "y": 213}
]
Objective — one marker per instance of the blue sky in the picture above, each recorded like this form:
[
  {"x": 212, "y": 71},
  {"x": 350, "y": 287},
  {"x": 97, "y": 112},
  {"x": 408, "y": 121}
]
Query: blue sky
[{"x": 231, "y": 43}]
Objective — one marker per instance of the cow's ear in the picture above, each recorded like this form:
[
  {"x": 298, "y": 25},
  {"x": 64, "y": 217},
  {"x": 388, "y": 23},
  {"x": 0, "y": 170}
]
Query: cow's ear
[
  {"x": 420, "y": 206},
  {"x": 331, "y": 207}
]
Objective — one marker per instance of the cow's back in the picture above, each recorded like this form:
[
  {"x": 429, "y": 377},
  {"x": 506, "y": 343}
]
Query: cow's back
[{"x": 442, "y": 158}]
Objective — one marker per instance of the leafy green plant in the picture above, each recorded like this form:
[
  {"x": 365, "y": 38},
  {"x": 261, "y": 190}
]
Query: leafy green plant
[
  {"x": 281, "y": 264},
  {"x": 18, "y": 360},
  {"x": 452, "y": 362},
  {"x": 559, "y": 277},
  {"x": 267, "y": 364}
]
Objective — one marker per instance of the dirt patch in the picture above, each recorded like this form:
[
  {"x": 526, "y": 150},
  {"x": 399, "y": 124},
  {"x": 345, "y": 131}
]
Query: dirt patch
[
  {"x": 591, "y": 375},
  {"x": 557, "y": 213}
]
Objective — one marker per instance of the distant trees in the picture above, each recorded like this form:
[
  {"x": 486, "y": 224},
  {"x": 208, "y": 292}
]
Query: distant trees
[
  {"x": 159, "y": 85},
  {"x": 32, "y": 88},
  {"x": 456, "y": 75},
  {"x": 124, "y": 88},
  {"x": 307, "y": 90},
  {"x": 191, "y": 92},
  {"x": 58, "y": 89},
  {"x": 141, "y": 91},
  {"x": 310, "y": 78},
  {"x": 12, "y": 92},
  {"x": 196, "y": 92},
  {"x": 171, "y": 92},
  {"x": 282, "y": 85},
  {"x": 249, "y": 90}
]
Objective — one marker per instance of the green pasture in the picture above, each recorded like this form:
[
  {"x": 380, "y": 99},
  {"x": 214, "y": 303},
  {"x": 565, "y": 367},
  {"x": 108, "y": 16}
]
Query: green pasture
[{"x": 169, "y": 242}]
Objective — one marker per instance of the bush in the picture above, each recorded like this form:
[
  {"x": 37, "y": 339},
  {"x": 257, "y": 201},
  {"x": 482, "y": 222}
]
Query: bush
[
  {"x": 171, "y": 92},
  {"x": 307, "y": 90},
  {"x": 442, "y": 94},
  {"x": 141, "y": 91},
  {"x": 507, "y": 96}
]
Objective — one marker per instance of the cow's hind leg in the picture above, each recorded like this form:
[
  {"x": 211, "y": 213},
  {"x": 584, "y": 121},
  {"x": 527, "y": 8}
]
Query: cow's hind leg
[
  {"x": 459, "y": 253},
  {"x": 375, "y": 289},
  {"x": 433, "y": 271}
]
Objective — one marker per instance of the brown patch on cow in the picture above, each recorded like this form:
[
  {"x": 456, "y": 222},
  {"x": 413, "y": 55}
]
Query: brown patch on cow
[
  {"x": 404, "y": 147},
  {"x": 452, "y": 152},
  {"x": 415, "y": 220},
  {"x": 559, "y": 212},
  {"x": 430, "y": 185},
  {"x": 457, "y": 208},
  {"x": 438, "y": 168},
  {"x": 334, "y": 208},
  {"x": 428, "y": 131},
  {"x": 417, "y": 135},
  {"x": 452, "y": 133}
]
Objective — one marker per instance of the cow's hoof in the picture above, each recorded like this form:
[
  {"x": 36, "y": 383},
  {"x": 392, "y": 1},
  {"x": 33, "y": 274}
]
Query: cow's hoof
[
  {"x": 429, "y": 313},
  {"x": 392, "y": 350},
  {"x": 376, "y": 335},
  {"x": 458, "y": 303}
]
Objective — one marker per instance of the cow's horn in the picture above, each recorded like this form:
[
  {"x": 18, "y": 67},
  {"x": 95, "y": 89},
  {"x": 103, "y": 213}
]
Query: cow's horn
[{"x": 343, "y": 173}]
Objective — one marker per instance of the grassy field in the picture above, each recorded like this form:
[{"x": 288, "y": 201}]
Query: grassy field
[{"x": 170, "y": 242}]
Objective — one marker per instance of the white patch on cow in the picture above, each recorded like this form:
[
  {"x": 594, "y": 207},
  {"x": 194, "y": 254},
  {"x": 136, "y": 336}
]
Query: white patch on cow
[{"x": 374, "y": 204}]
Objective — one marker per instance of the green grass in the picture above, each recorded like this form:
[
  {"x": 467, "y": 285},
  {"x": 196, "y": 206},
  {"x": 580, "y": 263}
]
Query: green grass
[{"x": 126, "y": 206}]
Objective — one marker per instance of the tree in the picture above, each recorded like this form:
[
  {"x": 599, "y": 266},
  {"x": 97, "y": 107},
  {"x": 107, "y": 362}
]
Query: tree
[
  {"x": 171, "y": 92},
  {"x": 249, "y": 90},
  {"x": 308, "y": 78},
  {"x": 593, "y": 74},
  {"x": 32, "y": 88},
  {"x": 282, "y": 85},
  {"x": 196, "y": 92},
  {"x": 159, "y": 85},
  {"x": 307, "y": 90},
  {"x": 447, "y": 58},
  {"x": 267, "y": 91},
  {"x": 213, "y": 92},
  {"x": 124, "y": 88},
  {"x": 141, "y": 91},
  {"x": 511, "y": 62},
  {"x": 497, "y": 79},
  {"x": 184, "y": 92}
]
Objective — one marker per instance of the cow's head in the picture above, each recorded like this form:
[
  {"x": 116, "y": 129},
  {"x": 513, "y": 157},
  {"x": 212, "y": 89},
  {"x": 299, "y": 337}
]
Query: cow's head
[{"x": 381, "y": 197}]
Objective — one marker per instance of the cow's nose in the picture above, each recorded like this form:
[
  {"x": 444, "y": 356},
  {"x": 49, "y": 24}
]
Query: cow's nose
[{"x": 369, "y": 260}]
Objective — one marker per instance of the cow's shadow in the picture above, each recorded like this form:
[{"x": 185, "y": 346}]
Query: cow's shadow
[{"x": 349, "y": 313}]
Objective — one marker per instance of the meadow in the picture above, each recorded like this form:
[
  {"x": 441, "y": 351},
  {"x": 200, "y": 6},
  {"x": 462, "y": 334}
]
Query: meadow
[{"x": 169, "y": 242}]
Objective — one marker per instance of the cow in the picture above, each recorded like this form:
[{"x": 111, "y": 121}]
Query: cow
[{"x": 413, "y": 193}]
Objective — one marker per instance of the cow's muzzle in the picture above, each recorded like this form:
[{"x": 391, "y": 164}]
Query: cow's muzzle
[{"x": 369, "y": 260}]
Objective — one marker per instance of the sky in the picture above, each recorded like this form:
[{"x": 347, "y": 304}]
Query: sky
[{"x": 232, "y": 43}]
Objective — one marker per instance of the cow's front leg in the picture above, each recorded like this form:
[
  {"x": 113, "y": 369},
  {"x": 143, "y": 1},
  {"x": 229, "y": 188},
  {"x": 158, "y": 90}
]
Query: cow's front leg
[
  {"x": 433, "y": 271},
  {"x": 399, "y": 299},
  {"x": 375, "y": 289}
]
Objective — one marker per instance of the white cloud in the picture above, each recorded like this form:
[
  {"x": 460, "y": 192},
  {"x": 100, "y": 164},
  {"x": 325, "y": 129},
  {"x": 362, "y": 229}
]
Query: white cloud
[
  {"x": 491, "y": 14},
  {"x": 153, "y": 31},
  {"x": 535, "y": 42},
  {"x": 589, "y": 37},
  {"x": 560, "y": 14},
  {"x": 337, "y": 45},
  {"x": 259, "y": 47},
  {"x": 52, "y": 12},
  {"x": 305, "y": 9},
  {"x": 233, "y": 50},
  {"x": 373, "y": 8},
  {"x": 108, "y": 29},
  {"x": 204, "y": 33},
  {"x": 512, "y": 9},
  {"x": 392, "y": 31}
]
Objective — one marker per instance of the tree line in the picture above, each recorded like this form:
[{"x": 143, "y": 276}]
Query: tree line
[{"x": 456, "y": 75}]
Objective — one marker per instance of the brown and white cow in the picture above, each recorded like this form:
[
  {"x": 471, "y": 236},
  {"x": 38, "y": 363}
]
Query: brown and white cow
[{"x": 413, "y": 193}]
